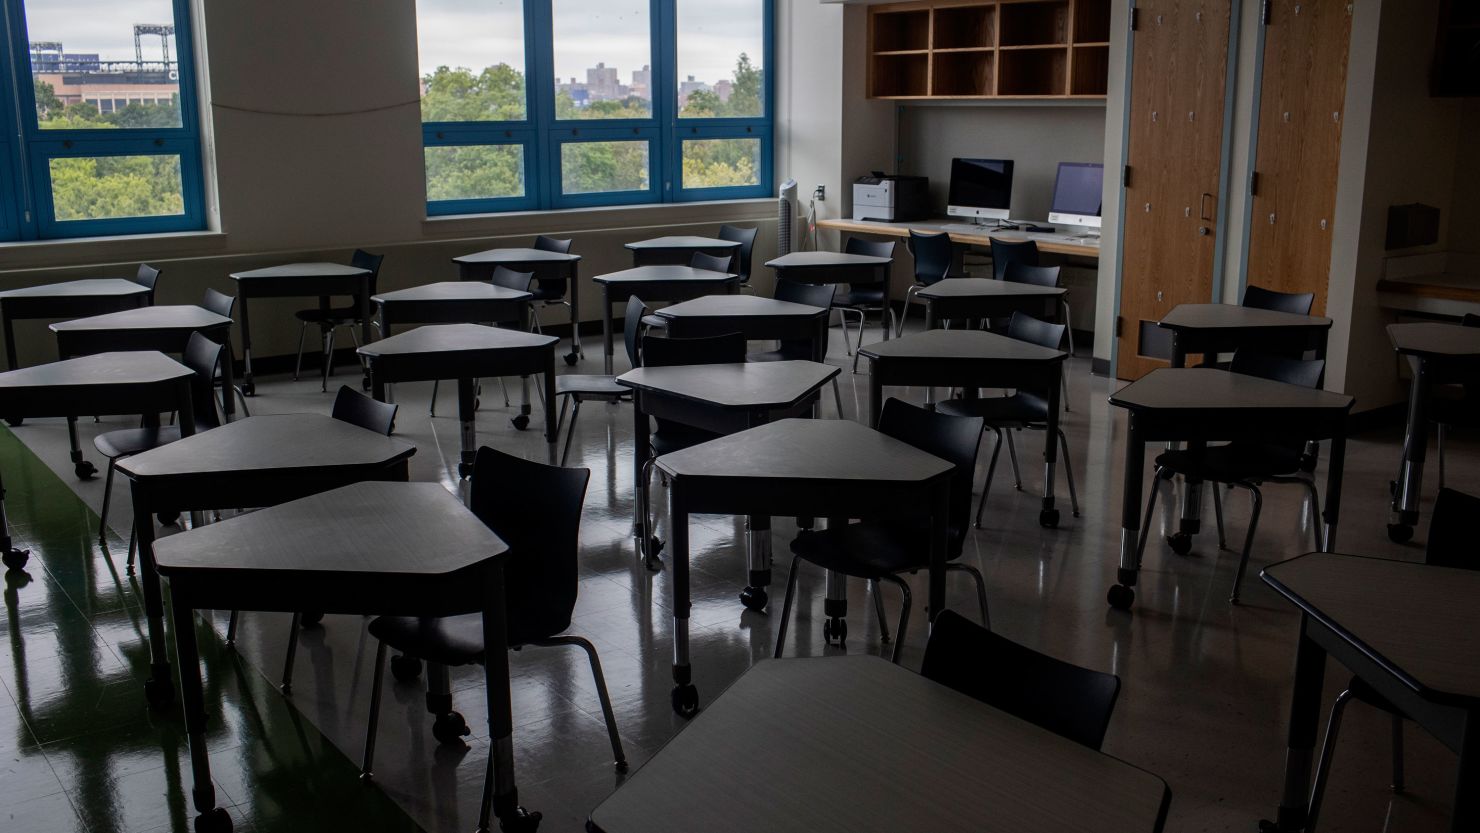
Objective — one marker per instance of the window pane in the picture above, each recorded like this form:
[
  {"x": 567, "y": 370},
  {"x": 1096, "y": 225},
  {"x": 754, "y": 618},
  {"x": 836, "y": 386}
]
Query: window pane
[
  {"x": 471, "y": 59},
  {"x": 84, "y": 63},
  {"x": 475, "y": 172},
  {"x": 599, "y": 167},
  {"x": 108, "y": 187},
  {"x": 717, "y": 163},
  {"x": 721, "y": 55},
  {"x": 603, "y": 59}
]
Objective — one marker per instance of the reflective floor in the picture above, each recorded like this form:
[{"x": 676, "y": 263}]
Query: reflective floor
[{"x": 1203, "y": 703}]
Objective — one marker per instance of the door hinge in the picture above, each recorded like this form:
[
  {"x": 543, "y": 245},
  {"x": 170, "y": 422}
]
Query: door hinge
[
  {"x": 1253, "y": 183},
  {"x": 1135, "y": 18},
  {"x": 1264, "y": 12},
  {"x": 1125, "y": 177}
]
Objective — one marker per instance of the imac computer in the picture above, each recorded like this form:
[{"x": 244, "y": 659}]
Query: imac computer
[
  {"x": 980, "y": 188},
  {"x": 1076, "y": 195}
]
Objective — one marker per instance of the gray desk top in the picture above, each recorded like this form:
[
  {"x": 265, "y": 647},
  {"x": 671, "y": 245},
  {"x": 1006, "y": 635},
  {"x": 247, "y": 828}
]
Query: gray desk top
[
  {"x": 496, "y": 256},
  {"x": 798, "y": 745},
  {"x": 657, "y": 274},
  {"x": 806, "y": 260},
  {"x": 807, "y": 449},
  {"x": 454, "y": 338},
  {"x": 379, "y": 528},
  {"x": 452, "y": 291},
  {"x": 740, "y": 306},
  {"x": 302, "y": 270},
  {"x": 141, "y": 367},
  {"x": 267, "y": 443},
  {"x": 85, "y": 288},
  {"x": 1431, "y": 338},
  {"x": 684, "y": 242},
  {"x": 1203, "y": 388},
  {"x": 174, "y": 317},
  {"x": 1419, "y": 622},
  {"x": 1235, "y": 317},
  {"x": 763, "y": 385},
  {"x": 983, "y": 287},
  {"x": 961, "y": 344}
]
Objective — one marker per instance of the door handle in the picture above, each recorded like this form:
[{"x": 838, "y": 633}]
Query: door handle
[{"x": 1208, "y": 206}]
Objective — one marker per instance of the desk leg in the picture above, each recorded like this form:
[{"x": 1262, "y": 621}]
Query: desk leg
[
  {"x": 10, "y": 357},
  {"x": 758, "y": 561},
  {"x": 606, "y": 329},
  {"x": 1305, "y": 718},
  {"x": 363, "y": 302},
  {"x": 14, "y": 558},
  {"x": 1048, "y": 516},
  {"x": 157, "y": 689},
  {"x": 875, "y": 393},
  {"x": 228, "y": 380},
  {"x": 212, "y": 819},
  {"x": 929, "y": 325},
  {"x": 648, "y": 544},
  {"x": 83, "y": 467},
  {"x": 940, "y": 534},
  {"x": 552, "y": 424},
  {"x": 1123, "y": 594},
  {"x": 835, "y": 603},
  {"x": 1467, "y": 789},
  {"x": 326, "y": 344},
  {"x": 248, "y": 387},
  {"x": 500, "y": 794},
  {"x": 685, "y": 695},
  {"x": 1335, "y": 472},
  {"x": 576, "y": 352},
  {"x": 1404, "y": 516},
  {"x": 466, "y": 413}
]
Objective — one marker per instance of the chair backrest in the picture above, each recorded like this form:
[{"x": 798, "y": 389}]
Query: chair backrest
[
  {"x": 746, "y": 238},
  {"x": 1012, "y": 251},
  {"x": 871, "y": 248},
  {"x": 203, "y": 357},
  {"x": 147, "y": 277},
  {"x": 711, "y": 263},
  {"x": 632, "y": 329},
  {"x": 1025, "y": 327},
  {"x": 1299, "y": 303},
  {"x": 358, "y": 409},
  {"x": 1070, "y": 701},
  {"x": 951, "y": 438},
  {"x": 659, "y": 351},
  {"x": 1036, "y": 275},
  {"x": 545, "y": 243},
  {"x": 1470, "y": 320},
  {"x": 364, "y": 260},
  {"x": 509, "y": 279},
  {"x": 1452, "y": 531},
  {"x": 933, "y": 255},
  {"x": 536, "y": 510},
  {"x": 218, "y": 302},
  {"x": 813, "y": 295},
  {"x": 1303, "y": 372}
]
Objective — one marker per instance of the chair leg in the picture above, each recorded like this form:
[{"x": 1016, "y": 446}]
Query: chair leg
[
  {"x": 570, "y": 430},
  {"x": 1315, "y": 515},
  {"x": 873, "y": 588},
  {"x": 1243, "y": 561},
  {"x": 1069, "y": 473},
  {"x": 328, "y": 369},
  {"x": 904, "y": 618},
  {"x": 1218, "y": 514},
  {"x": 1146, "y": 517},
  {"x": 133, "y": 543},
  {"x": 107, "y": 494},
  {"x": 981, "y": 589},
  {"x": 505, "y": 387},
  {"x": 908, "y": 294},
  {"x": 843, "y": 322},
  {"x": 231, "y": 624},
  {"x": 298, "y": 362},
  {"x": 987, "y": 484},
  {"x": 1017, "y": 476},
  {"x": 1323, "y": 765},
  {"x": 601, "y": 692},
  {"x": 287, "y": 685},
  {"x": 1398, "y": 785},
  {"x": 644, "y": 495},
  {"x": 837, "y": 398},
  {"x": 1440, "y": 434},
  {"x": 791, "y": 592},
  {"x": 1068, "y": 328},
  {"x": 377, "y": 679},
  {"x": 432, "y": 407}
]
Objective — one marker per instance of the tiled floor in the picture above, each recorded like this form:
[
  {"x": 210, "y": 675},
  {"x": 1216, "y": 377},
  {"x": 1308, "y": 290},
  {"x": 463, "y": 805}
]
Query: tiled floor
[{"x": 1203, "y": 704}]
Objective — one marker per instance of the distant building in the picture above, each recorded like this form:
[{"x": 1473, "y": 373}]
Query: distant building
[
  {"x": 602, "y": 82},
  {"x": 77, "y": 77},
  {"x": 687, "y": 88},
  {"x": 724, "y": 89},
  {"x": 48, "y": 56},
  {"x": 642, "y": 82}
]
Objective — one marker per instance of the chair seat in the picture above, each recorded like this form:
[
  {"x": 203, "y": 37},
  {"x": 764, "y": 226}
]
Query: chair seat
[
  {"x": 457, "y": 640},
  {"x": 869, "y": 550},
  {"x": 128, "y": 441},
  {"x": 338, "y": 316},
  {"x": 1233, "y": 462},
  {"x": 655, "y": 322},
  {"x": 859, "y": 296},
  {"x": 1021, "y": 408},
  {"x": 540, "y": 292},
  {"x": 578, "y": 384},
  {"x": 770, "y": 356},
  {"x": 671, "y": 437}
]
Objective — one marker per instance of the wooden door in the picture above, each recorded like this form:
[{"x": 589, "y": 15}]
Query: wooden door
[
  {"x": 1298, "y": 152},
  {"x": 1178, "y": 74}
]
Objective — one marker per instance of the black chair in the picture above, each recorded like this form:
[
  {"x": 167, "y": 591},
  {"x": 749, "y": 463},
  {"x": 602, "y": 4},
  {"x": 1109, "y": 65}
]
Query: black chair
[
  {"x": 1070, "y": 701},
  {"x": 934, "y": 255},
  {"x": 536, "y": 510},
  {"x": 668, "y": 436},
  {"x": 1012, "y": 251},
  {"x": 508, "y": 279},
  {"x": 1296, "y": 303},
  {"x": 331, "y": 319},
  {"x": 1245, "y": 464},
  {"x": 813, "y": 295},
  {"x": 577, "y": 388},
  {"x": 223, "y": 305},
  {"x": 1451, "y": 544},
  {"x": 746, "y": 238},
  {"x": 699, "y": 260},
  {"x": 861, "y": 299},
  {"x": 547, "y": 291},
  {"x": 1048, "y": 276},
  {"x": 881, "y": 550},
  {"x": 148, "y": 277},
  {"x": 1005, "y": 414},
  {"x": 203, "y": 357}
]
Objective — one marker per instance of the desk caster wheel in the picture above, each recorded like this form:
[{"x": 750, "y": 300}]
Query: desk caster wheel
[
  {"x": 520, "y": 821},
  {"x": 250, "y": 388},
  {"x": 309, "y": 620},
  {"x": 464, "y": 469},
  {"x": 85, "y": 470},
  {"x": 1048, "y": 518},
  {"x": 215, "y": 821},
  {"x": 1400, "y": 533},
  {"x": 1180, "y": 542},
  {"x": 685, "y": 700},
  {"x": 14, "y": 422},
  {"x": 754, "y": 598},
  {"x": 404, "y": 668},
  {"x": 1121, "y": 597},
  {"x": 521, "y": 422},
  {"x": 570, "y": 359},
  {"x": 15, "y": 558},
  {"x": 158, "y": 692},
  {"x": 365, "y": 384},
  {"x": 450, "y": 728},
  {"x": 167, "y": 518},
  {"x": 650, "y": 552},
  {"x": 835, "y": 628}
]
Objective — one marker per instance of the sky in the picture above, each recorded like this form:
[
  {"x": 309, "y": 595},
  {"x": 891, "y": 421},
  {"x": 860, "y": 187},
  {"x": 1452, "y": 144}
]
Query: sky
[{"x": 102, "y": 26}]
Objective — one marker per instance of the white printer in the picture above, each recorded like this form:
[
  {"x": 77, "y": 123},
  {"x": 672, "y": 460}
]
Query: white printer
[{"x": 890, "y": 197}]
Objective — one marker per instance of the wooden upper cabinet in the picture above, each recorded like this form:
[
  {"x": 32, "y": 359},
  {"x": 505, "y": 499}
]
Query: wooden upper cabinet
[{"x": 958, "y": 49}]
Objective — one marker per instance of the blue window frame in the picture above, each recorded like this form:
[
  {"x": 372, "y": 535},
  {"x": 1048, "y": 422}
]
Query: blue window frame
[
  {"x": 79, "y": 165},
  {"x": 603, "y": 142}
]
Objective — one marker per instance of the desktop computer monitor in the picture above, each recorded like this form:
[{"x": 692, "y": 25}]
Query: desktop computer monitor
[
  {"x": 980, "y": 188},
  {"x": 1076, "y": 194}
]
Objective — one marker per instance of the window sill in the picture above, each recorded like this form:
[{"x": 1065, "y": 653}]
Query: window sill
[
  {"x": 571, "y": 220},
  {"x": 30, "y": 255}
]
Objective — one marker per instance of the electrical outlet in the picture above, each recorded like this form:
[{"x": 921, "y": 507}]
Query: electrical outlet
[{"x": 820, "y": 193}]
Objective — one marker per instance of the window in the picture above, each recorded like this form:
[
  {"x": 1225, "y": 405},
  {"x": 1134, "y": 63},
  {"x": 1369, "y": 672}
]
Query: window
[
  {"x": 108, "y": 141},
  {"x": 561, "y": 103}
]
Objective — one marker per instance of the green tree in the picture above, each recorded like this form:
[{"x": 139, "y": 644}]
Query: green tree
[
  {"x": 102, "y": 187},
  {"x": 495, "y": 94},
  {"x": 46, "y": 100}
]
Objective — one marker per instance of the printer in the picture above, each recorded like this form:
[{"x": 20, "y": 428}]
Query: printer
[{"x": 892, "y": 198}]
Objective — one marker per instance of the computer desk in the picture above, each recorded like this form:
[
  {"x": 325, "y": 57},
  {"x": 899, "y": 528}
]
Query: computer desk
[{"x": 1055, "y": 243}]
